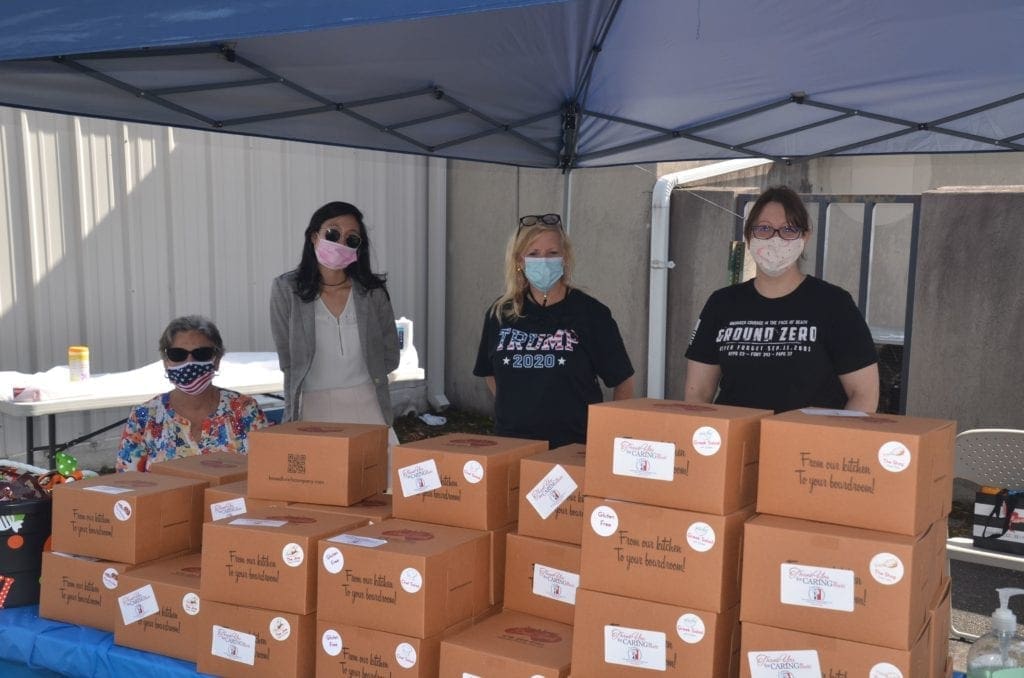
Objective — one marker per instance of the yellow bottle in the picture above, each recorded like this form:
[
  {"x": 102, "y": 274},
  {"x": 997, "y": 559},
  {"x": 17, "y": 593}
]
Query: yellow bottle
[{"x": 78, "y": 362}]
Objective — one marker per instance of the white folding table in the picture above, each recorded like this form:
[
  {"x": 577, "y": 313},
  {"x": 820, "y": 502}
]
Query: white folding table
[{"x": 249, "y": 373}]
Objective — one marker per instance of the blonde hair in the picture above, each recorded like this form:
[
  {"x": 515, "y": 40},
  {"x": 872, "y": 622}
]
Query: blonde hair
[{"x": 509, "y": 305}]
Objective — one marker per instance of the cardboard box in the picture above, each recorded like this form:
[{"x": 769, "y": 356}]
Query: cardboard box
[
  {"x": 460, "y": 479},
  {"x": 373, "y": 509},
  {"x": 265, "y": 557},
  {"x": 217, "y": 468},
  {"x": 881, "y": 472},
  {"x": 404, "y": 577},
  {"x": 158, "y": 608},
  {"x": 509, "y": 644},
  {"x": 250, "y": 642},
  {"x": 81, "y": 590},
  {"x": 939, "y": 622},
  {"x": 128, "y": 517},
  {"x": 668, "y": 555},
  {"x": 548, "y": 507},
  {"x": 541, "y": 577},
  {"x": 674, "y": 454},
  {"x": 615, "y": 636},
  {"x": 498, "y": 553},
  {"x": 321, "y": 463},
  {"x": 232, "y": 499},
  {"x": 347, "y": 651},
  {"x": 862, "y": 585},
  {"x": 768, "y": 651}
]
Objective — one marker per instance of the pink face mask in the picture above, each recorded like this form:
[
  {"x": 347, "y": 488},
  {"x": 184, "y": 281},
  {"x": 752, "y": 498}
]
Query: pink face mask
[{"x": 334, "y": 255}]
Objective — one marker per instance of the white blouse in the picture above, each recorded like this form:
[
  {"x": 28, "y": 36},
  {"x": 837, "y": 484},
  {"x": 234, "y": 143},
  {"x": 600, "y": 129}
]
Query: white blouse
[{"x": 338, "y": 361}]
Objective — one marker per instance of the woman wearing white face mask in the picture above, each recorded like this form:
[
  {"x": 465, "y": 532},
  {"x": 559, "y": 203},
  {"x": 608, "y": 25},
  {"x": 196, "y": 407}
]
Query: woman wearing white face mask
[
  {"x": 545, "y": 343},
  {"x": 196, "y": 417},
  {"x": 783, "y": 340}
]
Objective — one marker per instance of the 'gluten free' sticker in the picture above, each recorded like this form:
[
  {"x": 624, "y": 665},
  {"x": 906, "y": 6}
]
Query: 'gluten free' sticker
[
  {"x": 334, "y": 560},
  {"x": 331, "y": 642},
  {"x": 604, "y": 521},
  {"x": 122, "y": 510}
]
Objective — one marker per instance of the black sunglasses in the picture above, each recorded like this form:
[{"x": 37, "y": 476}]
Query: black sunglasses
[
  {"x": 180, "y": 355},
  {"x": 352, "y": 240},
  {"x": 546, "y": 219}
]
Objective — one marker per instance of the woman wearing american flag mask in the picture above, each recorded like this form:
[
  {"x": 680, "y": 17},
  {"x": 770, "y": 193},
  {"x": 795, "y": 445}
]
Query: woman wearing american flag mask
[{"x": 195, "y": 417}]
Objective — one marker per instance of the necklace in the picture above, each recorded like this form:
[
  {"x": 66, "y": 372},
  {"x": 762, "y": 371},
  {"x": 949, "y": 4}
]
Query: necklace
[{"x": 338, "y": 284}]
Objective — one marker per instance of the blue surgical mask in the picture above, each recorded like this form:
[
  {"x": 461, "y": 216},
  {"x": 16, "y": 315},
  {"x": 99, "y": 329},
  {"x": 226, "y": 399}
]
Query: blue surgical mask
[{"x": 543, "y": 272}]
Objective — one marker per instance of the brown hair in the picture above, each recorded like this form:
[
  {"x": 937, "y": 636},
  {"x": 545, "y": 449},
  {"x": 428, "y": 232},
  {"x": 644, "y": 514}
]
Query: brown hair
[{"x": 796, "y": 212}]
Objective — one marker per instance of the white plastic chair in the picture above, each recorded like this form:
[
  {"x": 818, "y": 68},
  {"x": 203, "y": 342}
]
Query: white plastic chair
[{"x": 994, "y": 457}]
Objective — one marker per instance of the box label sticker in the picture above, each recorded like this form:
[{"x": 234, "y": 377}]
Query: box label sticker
[
  {"x": 227, "y": 508},
  {"x": 356, "y": 540},
  {"x": 647, "y": 459},
  {"x": 469, "y": 675},
  {"x": 700, "y": 536},
  {"x": 825, "y": 412},
  {"x": 894, "y": 456},
  {"x": 411, "y": 580},
  {"x": 107, "y": 489},
  {"x": 405, "y": 655},
  {"x": 550, "y": 582},
  {"x": 886, "y": 569},
  {"x": 419, "y": 478},
  {"x": 258, "y": 522},
  {"x": 110, "y": 576},
  {"x": 604, "y": 521},
  {"x": 280, "y": 629},
  {"x": 122, "y": 510},
  {"x": 334, "y": 560},
  {"x": 473, "y": 472},
  {"x": 190, "y": 603},
  {"x": 690, "y": 628},
  {"x": 706, "y": 441},
  {"x": 887, "y": 670},
  {"x": 788, "y": 663},
  {"x": 637, "y": 648},
  {"x": 331, "y": 642},
  {"x": 233, "y": 645},
  {"x": 292, "y": 554},
  {"x": 138, "y": 604},
  {"x": 553, "y": 489},
  {"x": 812, "y": 586}
]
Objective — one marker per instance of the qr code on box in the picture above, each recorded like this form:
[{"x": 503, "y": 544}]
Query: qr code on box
[{"x": 296, "y": 463}]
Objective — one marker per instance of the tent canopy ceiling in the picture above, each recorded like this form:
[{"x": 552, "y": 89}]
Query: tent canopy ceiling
[{"x": 543, "y": 83}]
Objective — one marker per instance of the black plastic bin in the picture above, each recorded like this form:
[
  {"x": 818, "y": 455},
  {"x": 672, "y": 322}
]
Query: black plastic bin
[{"x": 24, "y": 532}]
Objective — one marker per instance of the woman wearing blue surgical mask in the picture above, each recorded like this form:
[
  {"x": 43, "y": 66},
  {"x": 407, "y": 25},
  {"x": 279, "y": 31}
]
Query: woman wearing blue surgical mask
[
  {"x": 783, "y": 340},
  {"x": 195, "y": 417},
  {"x": 545, "y": 343}
]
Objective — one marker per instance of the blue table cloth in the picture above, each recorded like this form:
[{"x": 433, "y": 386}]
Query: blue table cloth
[{"x": 30, "y": 641}]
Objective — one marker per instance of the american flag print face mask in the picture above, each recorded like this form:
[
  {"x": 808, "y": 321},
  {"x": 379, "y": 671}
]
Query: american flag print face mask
[{"x": 191, "y": 378}]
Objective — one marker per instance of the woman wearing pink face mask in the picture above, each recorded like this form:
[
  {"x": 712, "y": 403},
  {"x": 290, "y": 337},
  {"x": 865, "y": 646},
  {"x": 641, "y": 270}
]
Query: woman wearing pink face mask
[
  {"x": 333, "y": 325},
  {"x": 784, "y": 340}
]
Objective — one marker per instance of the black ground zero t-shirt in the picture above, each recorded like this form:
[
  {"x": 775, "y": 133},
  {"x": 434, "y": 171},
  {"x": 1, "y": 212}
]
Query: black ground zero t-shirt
[
  {"x": 785, "y": 353},
  {"x": 546, "y": 365}
]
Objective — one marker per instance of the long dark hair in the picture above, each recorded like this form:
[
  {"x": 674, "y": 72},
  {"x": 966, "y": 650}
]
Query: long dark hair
[{"x": 308, "y": 278}]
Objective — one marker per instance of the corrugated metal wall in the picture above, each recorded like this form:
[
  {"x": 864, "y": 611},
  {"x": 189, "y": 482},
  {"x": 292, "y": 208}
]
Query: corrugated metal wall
[{"x": 108, "y": 230}]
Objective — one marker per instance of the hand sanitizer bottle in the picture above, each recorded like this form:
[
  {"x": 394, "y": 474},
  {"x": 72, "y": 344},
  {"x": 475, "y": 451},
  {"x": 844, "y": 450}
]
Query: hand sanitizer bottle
[{"x": 1000, "y": 652}]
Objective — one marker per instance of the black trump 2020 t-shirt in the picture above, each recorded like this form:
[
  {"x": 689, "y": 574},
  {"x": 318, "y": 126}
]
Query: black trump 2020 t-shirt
[{"x": 546, "y": 364}]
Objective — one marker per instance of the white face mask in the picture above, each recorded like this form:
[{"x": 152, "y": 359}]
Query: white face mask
[{"x": 775, "y": 255}]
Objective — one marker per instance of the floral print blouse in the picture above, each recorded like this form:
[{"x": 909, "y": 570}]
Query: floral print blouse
[{"x": 155, "y": 432}]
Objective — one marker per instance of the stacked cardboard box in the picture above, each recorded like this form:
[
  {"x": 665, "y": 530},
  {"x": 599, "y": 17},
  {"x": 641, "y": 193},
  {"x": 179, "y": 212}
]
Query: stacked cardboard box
[
  {"x": 668, "y": 488},
  {"x": 259, "y": 591},
  {"x": 105, "y": 526},
  {"x": 844, "y": 571}
]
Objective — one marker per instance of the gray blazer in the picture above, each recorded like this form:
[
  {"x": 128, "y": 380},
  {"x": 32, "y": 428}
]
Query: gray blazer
[{"x": 291, "y": 322}]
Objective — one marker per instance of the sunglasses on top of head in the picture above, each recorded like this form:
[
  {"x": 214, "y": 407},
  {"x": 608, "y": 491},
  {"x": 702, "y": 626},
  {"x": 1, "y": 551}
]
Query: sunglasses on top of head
[
  {"x": 535, "y": 219},
  {"x": 352, "y": 240},
  {"x": 180, "y": 355}
]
